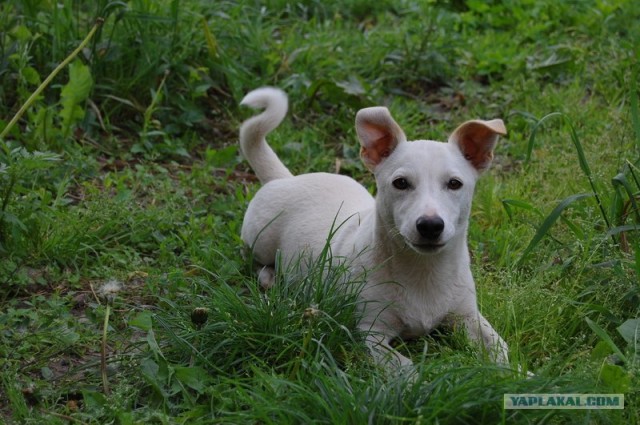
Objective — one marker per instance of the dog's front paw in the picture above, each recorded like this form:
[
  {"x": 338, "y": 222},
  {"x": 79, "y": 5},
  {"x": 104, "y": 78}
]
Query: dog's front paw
[
  {"x": 498, "y": 351},
  {"x": 267, "y": 277},
  {"x": 385, "y": 355},
  {"x": 525, "y": 373}
]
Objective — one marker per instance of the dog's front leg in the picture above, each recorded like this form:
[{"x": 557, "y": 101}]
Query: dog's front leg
[{"x": 481, "y": 331}]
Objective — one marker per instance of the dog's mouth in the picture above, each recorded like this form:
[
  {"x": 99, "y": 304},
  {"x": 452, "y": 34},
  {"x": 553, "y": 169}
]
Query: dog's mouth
[{"x": 428, "y": 247}]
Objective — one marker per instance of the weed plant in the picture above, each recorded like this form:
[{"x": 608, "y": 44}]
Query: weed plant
[{"x": 123, "y": 167}]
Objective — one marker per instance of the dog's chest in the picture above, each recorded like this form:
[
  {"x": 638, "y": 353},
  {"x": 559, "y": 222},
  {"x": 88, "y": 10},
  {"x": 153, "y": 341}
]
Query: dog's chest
[{"x": 421, "y": 309}]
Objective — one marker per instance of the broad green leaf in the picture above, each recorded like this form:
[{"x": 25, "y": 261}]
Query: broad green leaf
[
  {"x": 616, "y": 378},
  {"x": 193, "y": 377},
  {"x": 30, "y": 75},
  {"x": 68, "y": 336},
  {"x": 21, "y": 33},
  {"x": 601, "y": 351},
  {"x": 159, "y": 373},
  {"x": 73, "y": 94},
  {"x": 222, "y": 156},
  {"x": 93, "y": 400},
  {"x": 630, "y": 330},
  {"x": 149, "y": 368},
  {"x": 142, "y": 320},
  {"x": 125, "y": 418},
  {"x": 47, "y": 373},
  {"x": 150, "y": 371}
]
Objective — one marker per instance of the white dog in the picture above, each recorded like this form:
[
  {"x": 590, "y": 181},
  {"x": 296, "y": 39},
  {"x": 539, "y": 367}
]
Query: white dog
[{"x": 410, "y": 241}]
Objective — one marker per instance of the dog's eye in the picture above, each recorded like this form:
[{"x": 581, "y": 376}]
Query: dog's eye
[
  {"x": 454, "y": 184},
  {"x": 401, "y": 183}
]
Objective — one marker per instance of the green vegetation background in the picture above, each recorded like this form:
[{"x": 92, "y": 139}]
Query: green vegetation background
[{"x": 126, "y": 295}]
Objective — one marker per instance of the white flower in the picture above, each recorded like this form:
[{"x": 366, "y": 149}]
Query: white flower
[{"x": 109, "y": 289}]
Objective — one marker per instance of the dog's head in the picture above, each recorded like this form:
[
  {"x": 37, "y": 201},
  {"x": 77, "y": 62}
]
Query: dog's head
[{"x": 425, "y": 188}]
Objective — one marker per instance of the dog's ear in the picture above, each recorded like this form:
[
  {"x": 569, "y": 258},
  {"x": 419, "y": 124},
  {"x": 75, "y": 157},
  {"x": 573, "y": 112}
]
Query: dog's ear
[
  {"x": 476, "y": 139},
  {"x": 379, "y": 135}
]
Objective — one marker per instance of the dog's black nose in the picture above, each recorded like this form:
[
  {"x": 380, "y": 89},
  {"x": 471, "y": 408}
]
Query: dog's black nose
[{"x": 430, "y": 227}]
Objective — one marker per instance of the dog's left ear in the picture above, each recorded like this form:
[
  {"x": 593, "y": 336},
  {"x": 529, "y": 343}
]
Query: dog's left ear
[
  {"x": 379, "y": 135},
  {"x": 476, "y": 139}
]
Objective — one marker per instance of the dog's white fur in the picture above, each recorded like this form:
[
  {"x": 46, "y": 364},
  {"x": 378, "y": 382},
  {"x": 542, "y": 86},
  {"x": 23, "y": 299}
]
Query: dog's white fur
[{"x": 410, "y": 241}]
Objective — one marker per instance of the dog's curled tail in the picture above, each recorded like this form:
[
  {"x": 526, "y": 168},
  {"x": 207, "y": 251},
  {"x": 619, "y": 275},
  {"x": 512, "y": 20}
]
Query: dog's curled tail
[{"x": 263, "y": 160}]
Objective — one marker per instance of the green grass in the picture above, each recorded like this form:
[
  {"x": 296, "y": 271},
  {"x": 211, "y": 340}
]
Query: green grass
[{"x": 126, "y": 167}]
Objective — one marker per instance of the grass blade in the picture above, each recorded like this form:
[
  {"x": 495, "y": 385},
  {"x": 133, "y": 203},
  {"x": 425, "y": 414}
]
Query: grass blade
[
  {"x": 622, "y": 229},
  {"x": 507, "y": 204},
  {"x": 584, "y": 165},
  {"x": 621, "y": 180},
  {"x": 633, "y": 174},
  {"x": 635, "y": 110},
  {"x": 549, "y": 221},
  {"x": 212, "y": 43},
  {"x": 534, "y": 131},
  {"x": 574, "y": 138},
  {"x": 582, "y": 159}
]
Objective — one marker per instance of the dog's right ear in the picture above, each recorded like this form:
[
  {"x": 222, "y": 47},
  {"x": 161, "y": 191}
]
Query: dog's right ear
[
  {"x": 379, "y": 135},
  {"x": 476, "y": 140}
]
